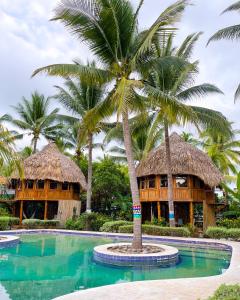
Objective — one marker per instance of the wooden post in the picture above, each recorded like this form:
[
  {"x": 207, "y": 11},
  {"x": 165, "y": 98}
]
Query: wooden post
[
  {"x": 21, "y": 212},
  {"x": 191, "y": 213},
  {"x": 159, "y": 210},
  {"x": 45, "y": 210}
]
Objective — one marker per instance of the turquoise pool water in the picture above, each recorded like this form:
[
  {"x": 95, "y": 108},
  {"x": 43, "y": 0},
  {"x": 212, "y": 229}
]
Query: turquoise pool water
[{"x": 46, "y": 266}]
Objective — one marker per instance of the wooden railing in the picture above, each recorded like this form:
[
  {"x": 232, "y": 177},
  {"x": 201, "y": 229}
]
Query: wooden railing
[{"x": 46, "y": 194}]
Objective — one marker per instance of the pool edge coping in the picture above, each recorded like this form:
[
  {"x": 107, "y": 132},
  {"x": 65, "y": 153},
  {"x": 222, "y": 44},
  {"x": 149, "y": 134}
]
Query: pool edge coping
[{"x": 199, "y": 286}]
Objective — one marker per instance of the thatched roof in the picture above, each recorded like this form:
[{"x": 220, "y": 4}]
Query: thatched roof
[
  {"x": 186, "y": 159},
  {"x": 3, "y": 180},
  {"x": 51, "y": 164}
]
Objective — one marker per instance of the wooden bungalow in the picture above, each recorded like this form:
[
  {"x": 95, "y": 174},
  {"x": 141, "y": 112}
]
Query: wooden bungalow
[
  {"x": 51, "y": 186},
  {"x": 194, "y": 180}
]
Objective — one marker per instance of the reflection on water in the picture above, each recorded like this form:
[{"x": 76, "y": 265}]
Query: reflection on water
[{"x": 46, "y": 266}]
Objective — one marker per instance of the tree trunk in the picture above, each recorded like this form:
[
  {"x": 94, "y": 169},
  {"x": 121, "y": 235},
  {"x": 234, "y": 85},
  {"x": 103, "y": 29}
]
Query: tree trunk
[
  {"x": 169, "y": 176},
  {"x": 35, "y": 139},
  {"x": 89, "y": 183},
  {"x": 137, "y": 217}
]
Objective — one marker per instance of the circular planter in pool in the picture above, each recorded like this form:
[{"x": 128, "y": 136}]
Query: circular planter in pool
[
  {"x": 165, "y": 257},
  {"x": 7, "y": 241}
]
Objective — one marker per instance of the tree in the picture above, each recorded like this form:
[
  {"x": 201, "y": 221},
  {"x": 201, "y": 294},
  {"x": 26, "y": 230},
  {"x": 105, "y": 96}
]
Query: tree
[
  {"x": 223, "y": 149},
  {"x": 79, "y": 98},
  {"x": 189, "y": 138},
  {"x": 230, "y": 33},
  {"x": 110, "y": 29},
  {"x": 177, "y": 85},
  {"x": 34, "y": 118}
]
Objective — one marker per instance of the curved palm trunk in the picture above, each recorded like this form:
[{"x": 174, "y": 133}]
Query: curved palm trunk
[
  {"x": 89, "y": 183},
  {"x": 137, "y": 218},
  {"x": 169, "y": 175}
]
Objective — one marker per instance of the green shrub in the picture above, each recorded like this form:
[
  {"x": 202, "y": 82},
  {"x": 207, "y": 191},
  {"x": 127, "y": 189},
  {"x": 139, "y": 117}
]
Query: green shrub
[
  {"x": 50, "y": 223},
  {"x": 233, "y": 233},
  {"x": 162, "y": 222},
  {"x": 227, "y": 292},
  {"x": 113, "y": 226},
  {"x": 216, "y": 232},
  {"x": 157, "y": 230},
  {"x": 31, "y": 223},
  {"x": 229, "y": 223},
  {"x": 4, "y": 212},
  {"x": 4, "y": 221},
  {"x": 87, "y": 221}
]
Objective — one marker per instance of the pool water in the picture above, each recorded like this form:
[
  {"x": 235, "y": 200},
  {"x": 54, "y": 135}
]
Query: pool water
[{"x": 42, "y": 267}]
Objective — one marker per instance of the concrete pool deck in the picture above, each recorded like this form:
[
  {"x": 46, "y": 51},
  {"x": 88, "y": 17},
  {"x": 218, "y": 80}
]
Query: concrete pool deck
[{"x": 170, "y": 289}]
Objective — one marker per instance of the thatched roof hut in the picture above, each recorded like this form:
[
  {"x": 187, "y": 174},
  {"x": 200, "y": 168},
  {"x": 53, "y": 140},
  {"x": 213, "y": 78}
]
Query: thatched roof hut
[
  {"x": 51, "y": 164},
  {"x": 186, "y": 159}
]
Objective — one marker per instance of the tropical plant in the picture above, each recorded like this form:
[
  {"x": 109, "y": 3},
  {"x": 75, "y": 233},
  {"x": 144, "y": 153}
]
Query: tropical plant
[
  {"x": 223, "y": 149},
  {"x": 235, "y": 193},
  {"x": 110, "y": 29},
  {"x": 79, "y": 98},
  {"x": 230, "y": 33},
  {"x": 189, "y": 138},
  {"x": 34, "y": 118}
]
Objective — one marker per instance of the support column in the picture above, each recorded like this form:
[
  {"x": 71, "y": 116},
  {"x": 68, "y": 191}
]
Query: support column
[
  {"x": 45, "y": 210},
  {"x": 159, "y": 210},
  {"x": 209, "y": 218},
  {"x": 191, "y": 213},
  {"x": 21, "y": 213}
]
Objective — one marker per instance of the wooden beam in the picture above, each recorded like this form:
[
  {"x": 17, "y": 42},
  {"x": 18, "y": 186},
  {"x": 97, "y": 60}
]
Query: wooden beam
[
  {"x": 45, "y": 210},
  {"x": 191, "y": 213},
  {"x": 21, "y": 212},
  {"x": 159, "y": 210}
]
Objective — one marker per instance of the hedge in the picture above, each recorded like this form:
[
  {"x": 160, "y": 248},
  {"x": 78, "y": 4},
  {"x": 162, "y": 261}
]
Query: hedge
[
  {"x": 7, "y": 222},
  {"x": 113, "y": 226},
  {"x": 227, "y": 292},
  {"x": 87, "y": 221},
  {"x": 157, "y": 230},
  {"x": 223, "y": 233},
  {"x": 229, "y": 223},
  {"x": 33, "y": 223}
]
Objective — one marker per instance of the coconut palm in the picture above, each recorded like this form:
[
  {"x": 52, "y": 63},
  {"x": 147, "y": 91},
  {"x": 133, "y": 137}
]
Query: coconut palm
[
  {"x": 110, "y": 29},
  {"x": 35, "y": 118},
  {"x": 231, "y": 33},
  {"x": 224, "y": 149},
  {"x": 79, "y": 98},
  {"x": 189, "y": 138},
  {"x": 178, "y": 86}
]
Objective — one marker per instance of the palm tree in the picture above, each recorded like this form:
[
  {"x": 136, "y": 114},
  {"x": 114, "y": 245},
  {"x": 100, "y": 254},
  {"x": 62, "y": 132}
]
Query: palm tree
[
  {"x": 79, "y": 98},
  {"x": 110, "y": 29},
  {"x": 177, "y": 85},
  {"x": 189, "y": 138},
  {"x": 230, "y": 33},
  {"x": 34, "y": 118},
  {"x": 224, "y": 150}
]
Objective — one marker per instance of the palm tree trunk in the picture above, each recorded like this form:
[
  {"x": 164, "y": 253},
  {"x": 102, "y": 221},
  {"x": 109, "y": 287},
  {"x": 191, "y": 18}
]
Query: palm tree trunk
[
  {"x": 89, "y": 183},
  {"x": 169, "y": 176},
  {"x": 35, "y": 140},
  {"x": 137, "y": 217}
]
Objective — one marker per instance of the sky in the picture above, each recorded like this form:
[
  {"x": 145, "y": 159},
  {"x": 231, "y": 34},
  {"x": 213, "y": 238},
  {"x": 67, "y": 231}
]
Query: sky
[{"x": 29, "y": 40}]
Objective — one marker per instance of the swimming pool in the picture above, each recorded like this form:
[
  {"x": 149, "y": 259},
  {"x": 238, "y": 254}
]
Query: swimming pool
[{"x": 44, "y": 266}]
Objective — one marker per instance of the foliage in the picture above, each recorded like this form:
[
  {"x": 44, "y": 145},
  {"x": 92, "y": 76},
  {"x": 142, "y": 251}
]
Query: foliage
[
  {"x": 7, "y": 222},
  {"x": 157, "y": 230},
  {"x": 223, "y": 233},
  {"x": 226, "y": 292},
  {"x": 229, "y": 223},
  {"x": 113, "y": 226},
  {"x": 87, "y": 221},
  {"x": 31, "y": 223},
  {"x": 50, "y": 223},
  {"x": 4, "y": 212},
  {"x": 162, "y": 222},
  {"x": 4, "y": 223}
]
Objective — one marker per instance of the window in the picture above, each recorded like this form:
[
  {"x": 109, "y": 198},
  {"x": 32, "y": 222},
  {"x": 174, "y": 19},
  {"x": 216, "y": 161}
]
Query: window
[
  {"x": 14, "y": 184},
  {"x": 76, "y": 188},
  {"x": 181, "y": 181},
  {"x": 40, "y": 184},
  {"x": 29, "y": 184},
  {"x": 53, "y": 185},
  {"x": 65, "y": 186},
  {"x": 142, "y": 184},
  {"x": 164, "y": 181},
  {"x": 152, "y": 182},
  {"x": 198, "y": 183}
]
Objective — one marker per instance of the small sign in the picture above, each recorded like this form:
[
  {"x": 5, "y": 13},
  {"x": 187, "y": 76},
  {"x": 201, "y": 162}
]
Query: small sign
[{"x": 137, "y": 211}]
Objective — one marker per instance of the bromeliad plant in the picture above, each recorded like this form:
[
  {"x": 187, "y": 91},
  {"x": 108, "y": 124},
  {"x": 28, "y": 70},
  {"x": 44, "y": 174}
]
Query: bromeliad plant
[{"x": 110, "y": 29}]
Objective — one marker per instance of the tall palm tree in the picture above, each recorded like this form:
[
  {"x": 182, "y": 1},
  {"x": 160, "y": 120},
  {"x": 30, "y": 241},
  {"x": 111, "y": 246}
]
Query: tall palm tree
[
  {"x": 79, "y": 98},
  {"x": 189, "y": 138},
  {"x": 178, "y": 86},
  {"x": 110, "y": 29},
  {"x": 230, "y": 33},
  {"x": 35, "y": 118},
  {"x": 224, "y": 150}
]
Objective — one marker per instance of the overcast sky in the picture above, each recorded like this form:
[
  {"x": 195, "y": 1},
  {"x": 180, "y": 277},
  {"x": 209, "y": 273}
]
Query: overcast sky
[{"x": 29, "y": 41}]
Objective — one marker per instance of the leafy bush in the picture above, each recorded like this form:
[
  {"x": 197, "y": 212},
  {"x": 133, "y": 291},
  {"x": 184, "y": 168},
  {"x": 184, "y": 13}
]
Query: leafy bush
[
  {"x": 87, "y": 221},
  {"x": 4, "y": 212},
  {"x": 162, "y": 222},
  {"x": 229, "y": 223},
  {"x": 50, "y": 223},
  {"x": 222, "y": 232},
  {"x": 227, "y": 292},
  {"x": 157, "y": 230},
  {"x": 31, "y": 223},
  {"x": 113, "y": 226},
  {"x": 7, "y": 222}
]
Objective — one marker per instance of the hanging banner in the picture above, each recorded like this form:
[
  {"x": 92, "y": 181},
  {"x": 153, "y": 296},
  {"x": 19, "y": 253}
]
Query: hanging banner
[{"x": 137, "y": 211}]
